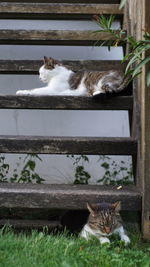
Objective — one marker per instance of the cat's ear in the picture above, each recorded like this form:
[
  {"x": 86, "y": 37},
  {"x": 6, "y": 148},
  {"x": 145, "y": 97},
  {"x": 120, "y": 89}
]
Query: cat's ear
[
  {"x": 45, "y": 60},
  {"x": 92, "y": 209},
  {"x": 56, "y": 62},
  {"x": 117, "y": 206}
]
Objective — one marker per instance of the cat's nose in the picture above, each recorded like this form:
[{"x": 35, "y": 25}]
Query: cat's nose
[{"x": 107, "y": 230}]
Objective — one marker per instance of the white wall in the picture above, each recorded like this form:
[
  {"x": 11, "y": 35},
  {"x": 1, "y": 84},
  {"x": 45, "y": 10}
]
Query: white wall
[{"x": 60, "y": 123}]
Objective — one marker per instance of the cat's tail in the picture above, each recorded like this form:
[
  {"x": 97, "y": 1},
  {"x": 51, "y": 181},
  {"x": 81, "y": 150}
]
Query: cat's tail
[{"x": 125, "y": 83}]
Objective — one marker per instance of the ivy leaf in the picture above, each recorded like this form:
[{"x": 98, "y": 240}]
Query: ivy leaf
[
  {"x": 31, "y": 164},
  {"x": 105, "y": 165}
]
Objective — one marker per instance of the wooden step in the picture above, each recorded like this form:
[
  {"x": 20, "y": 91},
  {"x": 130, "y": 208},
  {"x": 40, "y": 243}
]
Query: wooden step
[
  {"x": 66, "y": 102},
  {"x": 32, "y": 66},
  {"x": 51, "y": 37},
  {"x": 66, "y": 1},
  {"x": 55, "y": 10},
  {"x": 68, "y": 145},
  {"x": 30, "y": 224},
  {"x": 66, "y": 196}
]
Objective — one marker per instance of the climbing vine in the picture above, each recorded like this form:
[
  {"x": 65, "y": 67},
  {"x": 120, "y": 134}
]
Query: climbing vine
[
  {"x": 111, "y": 172},
  {"x": 27, "y": 174}
]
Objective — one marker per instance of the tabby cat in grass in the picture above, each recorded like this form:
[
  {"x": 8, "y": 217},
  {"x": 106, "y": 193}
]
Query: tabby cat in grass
[
  {"x": 103, "y": 221},
  {"x": 63, "y": 81}
]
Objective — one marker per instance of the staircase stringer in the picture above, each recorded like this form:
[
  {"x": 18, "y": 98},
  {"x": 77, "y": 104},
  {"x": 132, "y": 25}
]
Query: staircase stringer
[{"x": 139, "y": 21}]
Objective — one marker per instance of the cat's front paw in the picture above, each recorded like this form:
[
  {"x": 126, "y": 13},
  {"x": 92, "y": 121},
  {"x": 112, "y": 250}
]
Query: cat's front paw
[
  {"x": 104, "y": 240},
  {"x": 22, "y": 92},
  {"x": 125, "y": 239}
]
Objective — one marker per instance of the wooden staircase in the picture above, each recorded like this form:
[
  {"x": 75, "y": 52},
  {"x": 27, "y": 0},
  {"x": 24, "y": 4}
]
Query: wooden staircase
[{"x": 63, "y": 196}]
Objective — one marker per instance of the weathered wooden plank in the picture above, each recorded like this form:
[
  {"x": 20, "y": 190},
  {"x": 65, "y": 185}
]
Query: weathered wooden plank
[
  {"x": 68, "y": 145},
  {"x": 48, "y": 10},
  {"x": 67, "y": 1},
  {"x": 49, "y": 37},
  {"x": 145, "y": 135},
  {"x": 32, "y": 66},
  {"x": 59, "y": 8},
  {"x": 66, "y": 196},
  {"x": 30, "y": 224},
  {"x": 107, "y": 102},
  {"x": 138, "y": 14}
]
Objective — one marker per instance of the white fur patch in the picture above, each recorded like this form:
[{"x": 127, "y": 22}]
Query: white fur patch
[
  {"x": 104, "y": 240},
  {"x": 57, "y": 83},
  {"x": 122, "y": 235},
  {"x": 87, "y": 232}
]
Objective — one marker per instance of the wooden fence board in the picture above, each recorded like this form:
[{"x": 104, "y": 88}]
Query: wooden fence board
[{"x": 66, "y": 196}]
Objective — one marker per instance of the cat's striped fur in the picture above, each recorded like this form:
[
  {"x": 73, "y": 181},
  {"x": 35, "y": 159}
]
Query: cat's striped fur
[
  {"x": 103, "y": 221},
  {"x": 62, "y": 81},
  {"x": 111, "y": 81}
]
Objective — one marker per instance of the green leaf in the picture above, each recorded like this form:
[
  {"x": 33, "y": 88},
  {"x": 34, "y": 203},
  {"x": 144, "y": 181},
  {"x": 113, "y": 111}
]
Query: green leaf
[
  {"x": 31, "y": 164},
  {"x": 105, "y": 165},
  {"x": 122, "y": 4},
  {"x": 110, "y": 21},
  {"x": 141, "y": 48},
  {"x": 136, "y": 56},
  {"x": 132, "y": 60},
  {"x": 132, "y": 41},
  {"x": 140, "y": 65}
]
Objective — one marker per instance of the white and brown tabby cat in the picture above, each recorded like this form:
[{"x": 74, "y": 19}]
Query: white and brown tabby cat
[
  {"x": 62, "y": 81},
  {"x": 103, "y": 221}
]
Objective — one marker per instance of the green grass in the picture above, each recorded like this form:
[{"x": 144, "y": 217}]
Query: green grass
[{"x": 62, "y": 250}]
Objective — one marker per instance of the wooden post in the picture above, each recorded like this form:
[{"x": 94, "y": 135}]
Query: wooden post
[
  {"x": 145, "y": 135},
  {"x": 138, "y": 21}
]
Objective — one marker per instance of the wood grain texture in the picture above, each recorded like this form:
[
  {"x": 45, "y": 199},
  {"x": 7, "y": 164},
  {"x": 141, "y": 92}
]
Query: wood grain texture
[
  {"x": 68, "y": 145},
  {"x": 139, "y": 19},
  {"x": 56, "y": 10},
  {"x": 145, "y": 131},
  {"x": 107, "y": 102},
  {"x": 32, "y": 66},
  {"x": 66, "y": 1},
  {"x": 51, "y": 37},
  {"x": 30, "y": 9},
  {"x": 66, "y": 196}
]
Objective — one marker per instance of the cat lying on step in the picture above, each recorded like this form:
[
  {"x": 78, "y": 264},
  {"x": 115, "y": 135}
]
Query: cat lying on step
[
  {"x": 104, "y": 220},
  {"x": 62, "y": 81}
]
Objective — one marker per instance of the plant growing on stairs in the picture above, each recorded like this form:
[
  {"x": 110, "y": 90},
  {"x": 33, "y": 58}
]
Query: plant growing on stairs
[
  {"x": 112, "y": 172},
  {"x": 136, "y": 57},
  {"x": 27, "y": 174}
]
